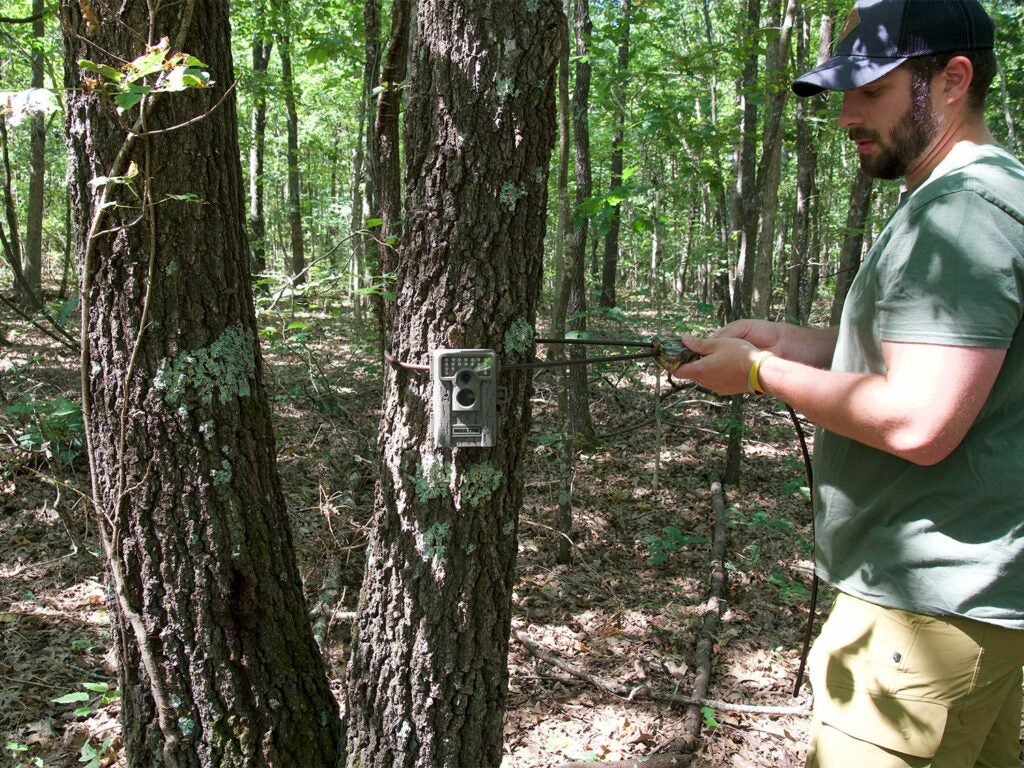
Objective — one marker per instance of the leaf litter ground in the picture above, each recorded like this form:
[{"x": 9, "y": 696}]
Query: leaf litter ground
[{"x": 627, "y": 612}]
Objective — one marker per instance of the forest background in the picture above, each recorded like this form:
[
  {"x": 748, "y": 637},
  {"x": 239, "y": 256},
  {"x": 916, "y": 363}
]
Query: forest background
[{"x": 687, "y": 186}]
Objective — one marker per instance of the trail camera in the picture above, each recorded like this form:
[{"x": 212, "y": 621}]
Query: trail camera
[{"x": 464, "y": 397}]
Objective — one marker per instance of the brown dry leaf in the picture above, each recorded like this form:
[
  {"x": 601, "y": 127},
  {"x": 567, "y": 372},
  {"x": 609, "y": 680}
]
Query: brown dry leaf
[{"x": 40, "y": 733}]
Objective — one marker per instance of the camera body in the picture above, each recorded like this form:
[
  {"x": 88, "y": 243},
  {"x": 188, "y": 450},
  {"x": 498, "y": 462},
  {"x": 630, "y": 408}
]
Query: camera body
[{"x": 464, "y": 397}]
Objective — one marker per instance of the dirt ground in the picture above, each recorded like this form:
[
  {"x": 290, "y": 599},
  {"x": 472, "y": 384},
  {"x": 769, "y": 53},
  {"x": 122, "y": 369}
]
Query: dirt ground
[{"x": 621, "y": 623}]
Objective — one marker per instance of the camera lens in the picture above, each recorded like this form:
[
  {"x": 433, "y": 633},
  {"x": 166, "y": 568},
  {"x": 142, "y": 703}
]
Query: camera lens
[{"x": 465, "y": 397}]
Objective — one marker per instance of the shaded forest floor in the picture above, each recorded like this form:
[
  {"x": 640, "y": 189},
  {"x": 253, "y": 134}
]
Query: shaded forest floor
[{"x": 624, "y": 618}]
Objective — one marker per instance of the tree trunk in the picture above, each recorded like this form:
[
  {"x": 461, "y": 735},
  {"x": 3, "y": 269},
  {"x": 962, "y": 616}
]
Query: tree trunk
[
  {"x": 297, "y": 260},
  {"x": 748, "y": 207},
  {"x": 357, "y": 252},
  {"x": 31, "y": 289},
  {"x": 770, "y": 167},
  {"x": 581, "y": 425},
  {"x": 371, "y": 79},
  {"x": 719, "y": 286},
  {"x": 262, "y": 45},
  {"x": 654, "y": 274},
  {"x": 12, "y": 244},
  {"x": 428, "y": 673},
  {"x": 746, "y": 184},
  {"x": 218, "y": 665},
  {"x": 853, "y": 242},
  {"x": 384, "y": 151},
  {"x": 564, "y": 230},
  {"x": 806, "y": 168},
  {"x": 1011, "y": 123},
  {"x": 564, "y": 244},
  {"x": 620, "y": 89}
]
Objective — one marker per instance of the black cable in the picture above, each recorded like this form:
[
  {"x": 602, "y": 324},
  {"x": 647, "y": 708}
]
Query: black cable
[
  {"x": 657, "y": 350},
  {"x": 419, "y": 368},
  {"x": 813, "y": 605}
]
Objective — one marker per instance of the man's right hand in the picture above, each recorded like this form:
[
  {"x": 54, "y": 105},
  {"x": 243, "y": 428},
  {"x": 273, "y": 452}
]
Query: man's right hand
[{"x": 799, "y": 343}]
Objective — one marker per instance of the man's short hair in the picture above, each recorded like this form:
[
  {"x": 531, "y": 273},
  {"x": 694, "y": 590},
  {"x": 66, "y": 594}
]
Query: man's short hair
[{"x": 983, "y": 60}]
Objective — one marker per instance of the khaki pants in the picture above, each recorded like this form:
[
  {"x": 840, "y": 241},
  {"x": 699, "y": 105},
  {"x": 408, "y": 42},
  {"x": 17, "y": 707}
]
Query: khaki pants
[{"x": 894, "y": 689}]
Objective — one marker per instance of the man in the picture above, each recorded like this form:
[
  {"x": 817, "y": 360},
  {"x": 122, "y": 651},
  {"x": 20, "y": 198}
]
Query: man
[{"x": 919, "y": 398}]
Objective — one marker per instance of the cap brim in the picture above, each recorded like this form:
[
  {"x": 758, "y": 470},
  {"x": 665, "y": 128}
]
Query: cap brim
[{"x": 843, "y": 73}]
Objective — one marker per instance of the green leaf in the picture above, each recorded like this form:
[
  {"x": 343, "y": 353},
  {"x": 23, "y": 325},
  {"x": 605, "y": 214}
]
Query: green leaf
[
  {"x": 102, "y": 69},
  {"x": 708, "y": 714},
  {"x": 149, "y": 63},
  {"x": 182, "y": 78},
  {"x": 100, "y": 181},
  {"x": 128, "y": 99},
  {"x": 71, "y": 698},
  {"x": 66, "y": 408},
  {"x": 96, "y": 687}
]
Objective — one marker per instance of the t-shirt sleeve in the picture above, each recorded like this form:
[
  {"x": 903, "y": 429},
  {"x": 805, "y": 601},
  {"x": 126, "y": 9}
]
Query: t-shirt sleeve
[{"x": 957, "y": 276}]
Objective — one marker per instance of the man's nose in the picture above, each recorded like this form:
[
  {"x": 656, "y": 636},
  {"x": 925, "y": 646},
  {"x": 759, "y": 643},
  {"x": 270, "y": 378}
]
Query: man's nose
[{"x": 849, "y": 115}]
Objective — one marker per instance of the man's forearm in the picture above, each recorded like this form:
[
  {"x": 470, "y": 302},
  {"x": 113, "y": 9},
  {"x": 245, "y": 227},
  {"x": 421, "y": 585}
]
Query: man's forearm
[{"x": 809, "y": 345}]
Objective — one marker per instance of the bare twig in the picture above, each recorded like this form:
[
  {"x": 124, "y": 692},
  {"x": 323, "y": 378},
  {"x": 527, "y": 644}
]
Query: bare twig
[
  {"x": 703, "y": 649},
  {"x": 193, "y": 120},
  {"x": 645, "y": 692}
]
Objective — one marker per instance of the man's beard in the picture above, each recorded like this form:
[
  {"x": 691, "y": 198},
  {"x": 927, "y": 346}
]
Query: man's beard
[{"x": 907, "y": 141}]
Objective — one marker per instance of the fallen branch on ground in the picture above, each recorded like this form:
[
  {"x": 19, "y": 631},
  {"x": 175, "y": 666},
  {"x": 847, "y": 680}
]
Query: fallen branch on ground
[{"x": 645, "y": 692}]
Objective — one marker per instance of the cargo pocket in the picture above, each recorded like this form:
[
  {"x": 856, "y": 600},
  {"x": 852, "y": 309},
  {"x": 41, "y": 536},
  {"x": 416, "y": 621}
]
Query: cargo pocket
[
  {"x": 871, "y": 680},
  {"x": 906, "y": 725}
]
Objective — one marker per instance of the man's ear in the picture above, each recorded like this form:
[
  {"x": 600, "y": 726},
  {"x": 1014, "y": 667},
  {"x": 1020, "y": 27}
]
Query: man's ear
[{"x": 959, "y": 73}]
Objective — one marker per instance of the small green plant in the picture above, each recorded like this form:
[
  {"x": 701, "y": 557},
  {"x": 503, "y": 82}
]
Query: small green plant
[
  {"x": 20, "y": 756},
  {"x": 659, "y": 548},
  {"x": 53, "y": 428},
  {"x": 708, "y": 716},
  {"x": 788, "y": 588},
  {"x": 759, "y": 518},
  {"x": 796, "y": 485},
  {"x": 90, "y": 698},
  {"x": 92, "y": 757}
]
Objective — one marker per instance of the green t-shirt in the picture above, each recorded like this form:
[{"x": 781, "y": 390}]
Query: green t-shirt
[{"x": 946, "y": 539}]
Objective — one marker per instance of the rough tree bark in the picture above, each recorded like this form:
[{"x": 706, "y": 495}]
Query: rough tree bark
[
  {"x": 218, "y": 666},
  {"x": 428, "y": 672}
]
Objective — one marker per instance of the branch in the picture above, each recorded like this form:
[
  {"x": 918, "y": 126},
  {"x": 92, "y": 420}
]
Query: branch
[
  {"x": 67, "y": 341},
  {"x": 645, "y": 692},
  {"x": 23, "y": 20},
  {"x": 703, "y": 650},
  {"x": 190, "y": 121}
]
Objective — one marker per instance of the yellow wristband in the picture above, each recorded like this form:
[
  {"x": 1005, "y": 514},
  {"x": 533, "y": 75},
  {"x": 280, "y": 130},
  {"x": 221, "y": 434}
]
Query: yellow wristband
[{"x": 753, "y": 379}]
